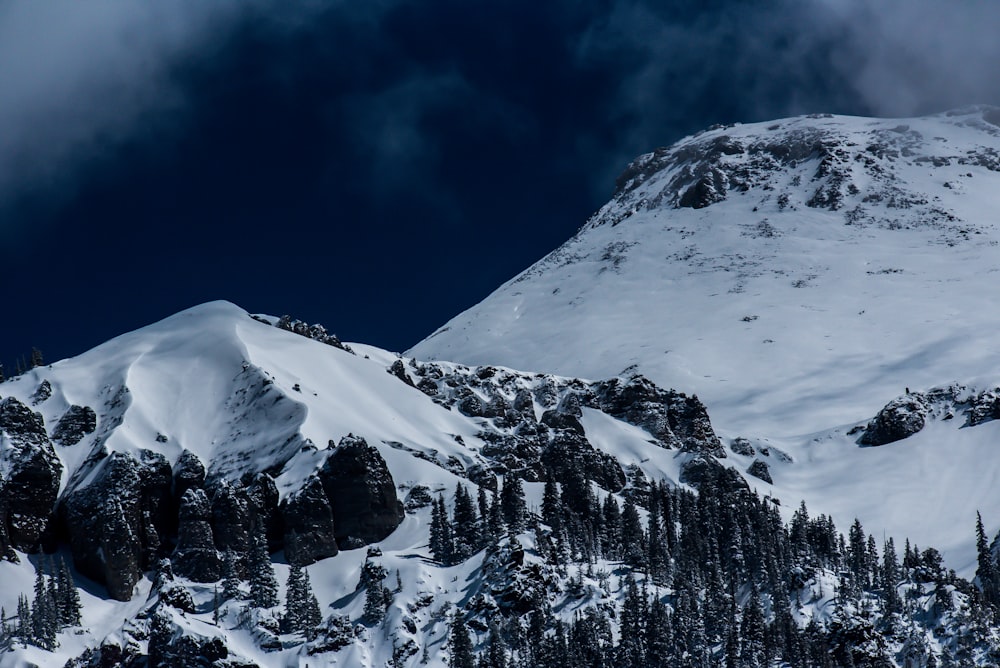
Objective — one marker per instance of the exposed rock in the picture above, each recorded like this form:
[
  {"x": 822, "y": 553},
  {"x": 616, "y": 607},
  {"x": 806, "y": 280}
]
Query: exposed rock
[
  {"x": 156, "y": 504},
  {"x": 558, "y": 420},
  {"x": 673, "y": 418},
  {"x": 262, "y": 502},
  {"x": 42, "y": 393},
  {"x": 362, "y": 493},
  {"x": 471, "y": 405},
  {"x": 761, "y": 470},
  {"x": 741, "y": 446},
  {"x": 76, "y": 422},
  {"x": 399, "y": 371},
  {"x": 900, "y": 418},
  {"x": 985, "y": 407},
  {"x": 231, "y": 518},
  {"x": 418, "y": 497},
  {"x": 195, "y": 556},
  {"x": 103, "y": 519},
  {"x": 309, "y": 525},
  {"x": 32, "y": 476},
  {"x": 188, "y": 472}
]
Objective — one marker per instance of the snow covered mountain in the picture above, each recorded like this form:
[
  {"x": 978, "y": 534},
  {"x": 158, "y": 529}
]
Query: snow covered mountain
[
  {"x": 796, "y": 276},
  {"x": 235, "y": 490},
  {"x": 187, "y": 437}
]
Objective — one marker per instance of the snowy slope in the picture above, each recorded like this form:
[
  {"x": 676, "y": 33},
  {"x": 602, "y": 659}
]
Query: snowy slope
[
  {"x": 245, "y": 397},
  {"x": 796, "y": 275}
]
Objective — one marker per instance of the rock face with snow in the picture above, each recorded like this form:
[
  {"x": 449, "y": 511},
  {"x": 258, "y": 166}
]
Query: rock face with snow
[
  {"x": 901, "y": 417},
  {"x": 362, "y": 493},
  {"x": 31, "y": 475}
]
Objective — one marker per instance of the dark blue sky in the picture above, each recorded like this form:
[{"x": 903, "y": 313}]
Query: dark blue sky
[{"x": 378, "y": 170}]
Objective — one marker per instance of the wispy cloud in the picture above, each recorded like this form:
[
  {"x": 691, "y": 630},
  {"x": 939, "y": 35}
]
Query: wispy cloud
[
  {"x": 750, "y": 60},
  {"x": 77, "y": 77}
]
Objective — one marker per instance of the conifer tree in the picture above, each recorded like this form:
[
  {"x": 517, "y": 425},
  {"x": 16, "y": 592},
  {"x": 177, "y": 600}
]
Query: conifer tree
[
  {"x": 375, "y": 599},
  {"x": 312, "y": 617},
  {"x": 460, "y": 644},
  {"x": 513, "y": 507},
  {"x": 466, "y": 524},
  {"x": 263, "y": 585},
  {"x": 69, "y": 597},
  {"x": 44, "y": 615},
  {"x": 633, "y": 541},
  {"x": 230, "y": 577},
  {"x": 442, "y": 542},
  {"x": 24, "y": 628},
  {"x": 294, "y": 595},
  {"x": 987, "y": 571}
]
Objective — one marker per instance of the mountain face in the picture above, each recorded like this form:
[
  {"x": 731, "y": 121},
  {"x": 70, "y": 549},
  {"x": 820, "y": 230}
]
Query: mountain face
[
  {"x": 230, "y": 490},
  {"x": 797, "y": 276}
]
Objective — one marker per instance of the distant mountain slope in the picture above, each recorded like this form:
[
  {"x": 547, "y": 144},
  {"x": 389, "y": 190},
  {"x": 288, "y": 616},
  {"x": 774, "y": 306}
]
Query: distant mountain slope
[{"x": 795, "y": 274}]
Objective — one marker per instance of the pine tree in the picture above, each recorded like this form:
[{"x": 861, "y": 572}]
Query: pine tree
[
  {"x": 24, "y": 632},
  {"x": 442, "y": 542},
  {"x": 36, "y": 358},
  {"x": 294, "y": 595},
  {"x": 987, "y": 571},
  {"x": 44, "y": 616},
  {"x": 513, "y": 507},
  {"x": 495, "y": 655},
  {"x": 486, "y": 530},
  {"x": 890, "y": 578},
  {"x": 263, "y": 585},
  {"x": 466, "y": 522},
  {"x": 375, "y": 598},
  {"x": 230, "y": 577},
  {"x": 311, "y": 616},
  {"x": 460, "y": 643},
  {"x": 69, "y": 598},
  {"x": 633, "y": 541}
]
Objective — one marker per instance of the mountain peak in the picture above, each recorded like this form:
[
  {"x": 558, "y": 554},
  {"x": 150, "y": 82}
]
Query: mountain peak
[{"x": 820, "y": 161}]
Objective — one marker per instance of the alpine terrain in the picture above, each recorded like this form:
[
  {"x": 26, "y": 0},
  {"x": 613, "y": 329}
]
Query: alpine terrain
[{"x": 746, "y": 417}]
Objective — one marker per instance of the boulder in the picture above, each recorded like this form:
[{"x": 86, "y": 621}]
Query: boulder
[
  {"x": 760, "y": 470},
  {"x": 362, "y": 493},
  {"x": 901, "y": 418}
]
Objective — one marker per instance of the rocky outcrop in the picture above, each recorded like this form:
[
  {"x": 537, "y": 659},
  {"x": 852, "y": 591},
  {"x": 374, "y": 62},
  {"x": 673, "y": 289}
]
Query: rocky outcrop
[
  {"x": 759, "y": 469},
  {"x": 362, "y": 493},
  {"x": 104, "y": 520},
  {"x": 673, "y": 418},
  {"x": 76, "y": 422},
  {"x": 232, "y": 523},
  {"x": 195, "y": 556},
  {"x": 900, "y": 418},
  {"x": 309, "y": 525},
  {"x": 30, "y": 486},
  {"x": 188, "y": 472}
]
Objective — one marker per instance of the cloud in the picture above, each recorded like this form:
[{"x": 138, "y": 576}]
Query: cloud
[
  {"x": 747, "y": 60},
  {"x": 77, "y": 77}
]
